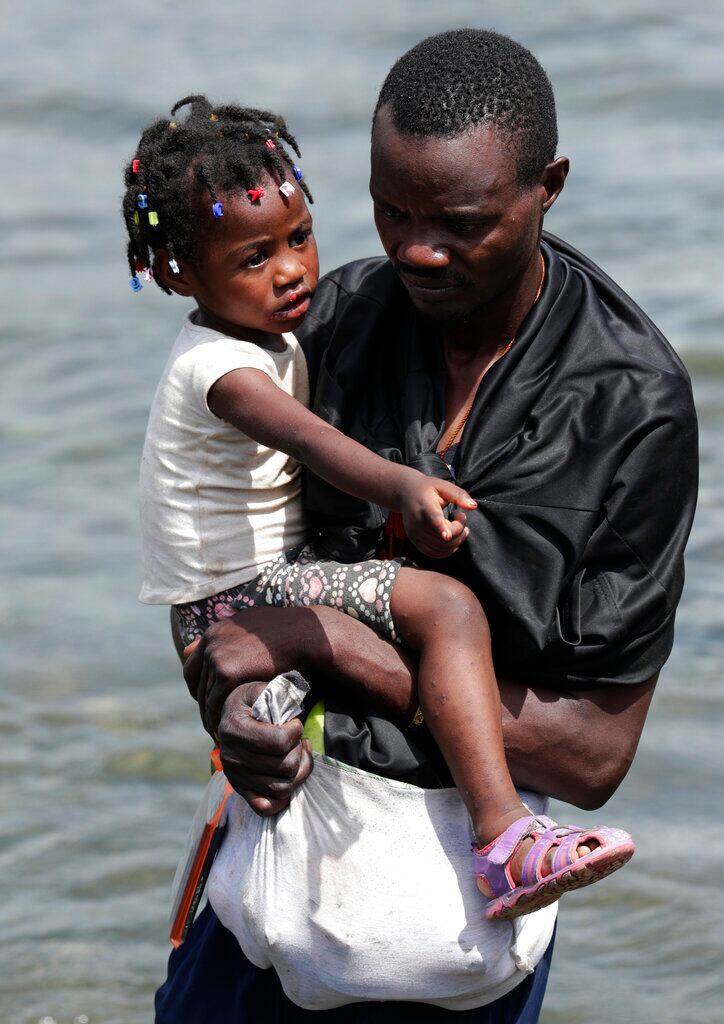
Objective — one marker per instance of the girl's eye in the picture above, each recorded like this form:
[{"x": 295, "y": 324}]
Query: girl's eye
[
  {"x": 256, "y": 260},
  {"x": 390, "y": 212},
  {"x": 301, "y": 237}
]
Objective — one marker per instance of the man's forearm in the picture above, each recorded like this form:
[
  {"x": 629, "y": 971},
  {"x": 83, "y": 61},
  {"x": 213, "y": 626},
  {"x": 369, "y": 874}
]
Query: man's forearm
[
  {"x": 575, "y": 747},
  {"x": 371, "y": 671}
]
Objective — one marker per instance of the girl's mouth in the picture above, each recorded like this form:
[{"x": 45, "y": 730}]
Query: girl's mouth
[{"x": 296, "y": 306}]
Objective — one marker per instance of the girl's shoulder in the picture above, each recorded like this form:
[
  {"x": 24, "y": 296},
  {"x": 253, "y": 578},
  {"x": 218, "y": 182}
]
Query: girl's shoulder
[
  {"x": 200, "y": 356},
  {"x": 198, "y": 344}
]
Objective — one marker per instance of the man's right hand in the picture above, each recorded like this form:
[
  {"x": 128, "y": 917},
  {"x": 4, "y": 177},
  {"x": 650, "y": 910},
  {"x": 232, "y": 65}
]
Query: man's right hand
[
  {"x": 252, "y": 645},
  {"x": 264, "y": 763}
]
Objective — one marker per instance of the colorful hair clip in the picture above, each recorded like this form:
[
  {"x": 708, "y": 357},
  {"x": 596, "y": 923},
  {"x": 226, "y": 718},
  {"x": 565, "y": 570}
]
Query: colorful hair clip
[
  {"x": 136, "y": 218},
  {"x": 135, "y": 284},
  {"x": 142, "y": 201},
  {"x": 287, "y": 189},
  {"x": 297, "y": 172},
  {"x": 172, "y": 125},
  {"x": 218, "y": 209},
  {"x": 173, "y": 267},
  {"x": 213, "y": 117},
  {"x": 139, "y": 264},
  {"x": 148, "y": 274},
  {"x": 255, "y": 194},
  {"x": 269, "y": 144},
  {"x": 136, "y": 166},
  {"x": 153, "y": 218}
]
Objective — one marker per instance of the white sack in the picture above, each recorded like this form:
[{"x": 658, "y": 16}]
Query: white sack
[{"x": 362, "y": 889}]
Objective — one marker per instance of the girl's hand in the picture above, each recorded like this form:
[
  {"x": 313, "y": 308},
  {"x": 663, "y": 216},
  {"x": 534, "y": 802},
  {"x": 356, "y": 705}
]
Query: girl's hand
[{"x": 421, "y": 506}]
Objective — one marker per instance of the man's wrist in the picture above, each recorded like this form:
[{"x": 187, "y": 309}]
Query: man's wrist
[{"x": 312, "y": 657}]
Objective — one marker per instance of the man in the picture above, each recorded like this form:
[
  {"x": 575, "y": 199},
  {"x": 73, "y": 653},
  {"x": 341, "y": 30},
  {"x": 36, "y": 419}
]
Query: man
[{"x": 480, "y": 349}]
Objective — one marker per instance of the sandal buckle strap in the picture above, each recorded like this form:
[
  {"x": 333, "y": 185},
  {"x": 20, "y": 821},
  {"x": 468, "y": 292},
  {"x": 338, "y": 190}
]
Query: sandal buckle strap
[{"x": 502, "y": 849}]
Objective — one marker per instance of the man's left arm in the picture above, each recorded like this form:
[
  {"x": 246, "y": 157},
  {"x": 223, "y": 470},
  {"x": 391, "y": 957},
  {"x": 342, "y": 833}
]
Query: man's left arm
[{"x": 574, "y": 746}]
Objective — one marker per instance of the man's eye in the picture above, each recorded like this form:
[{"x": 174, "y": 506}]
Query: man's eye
[{"x": 464, "y": 227}]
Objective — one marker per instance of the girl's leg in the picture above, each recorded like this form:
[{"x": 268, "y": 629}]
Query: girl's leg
[{"x": 444, "y": 623}]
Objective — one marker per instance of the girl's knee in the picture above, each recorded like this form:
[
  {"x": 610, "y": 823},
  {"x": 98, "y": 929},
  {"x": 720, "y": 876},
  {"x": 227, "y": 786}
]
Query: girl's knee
[
  {"x": 460, "y": 603},
  {"x": 445, "y": 601}
]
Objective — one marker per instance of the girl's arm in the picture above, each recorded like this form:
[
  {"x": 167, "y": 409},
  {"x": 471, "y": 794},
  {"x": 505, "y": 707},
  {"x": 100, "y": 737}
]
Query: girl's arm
[{"x": 250, "y": 401}]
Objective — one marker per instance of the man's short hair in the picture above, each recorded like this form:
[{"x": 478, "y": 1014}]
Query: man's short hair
[{"x": 457, "y": 80}]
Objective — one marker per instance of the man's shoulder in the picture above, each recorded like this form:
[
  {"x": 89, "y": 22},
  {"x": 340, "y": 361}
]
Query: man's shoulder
[{"x": 618, "y": 322}]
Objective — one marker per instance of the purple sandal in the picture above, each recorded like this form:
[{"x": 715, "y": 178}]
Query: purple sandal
[{"x": 536, "y": 890}]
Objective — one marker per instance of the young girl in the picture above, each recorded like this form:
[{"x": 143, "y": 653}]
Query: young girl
[{"x": 216, "y": 204}]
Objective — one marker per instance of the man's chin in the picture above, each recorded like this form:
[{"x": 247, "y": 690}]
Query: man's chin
[{"x": 443, "y": 311}]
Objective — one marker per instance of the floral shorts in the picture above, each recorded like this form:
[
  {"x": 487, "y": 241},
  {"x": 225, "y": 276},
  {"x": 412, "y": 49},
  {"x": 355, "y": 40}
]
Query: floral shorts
[{"x": 298, "y": 579}]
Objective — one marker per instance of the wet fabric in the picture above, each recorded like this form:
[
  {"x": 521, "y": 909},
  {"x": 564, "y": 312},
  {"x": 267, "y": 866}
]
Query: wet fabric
[{"x": 580, "y": 450}]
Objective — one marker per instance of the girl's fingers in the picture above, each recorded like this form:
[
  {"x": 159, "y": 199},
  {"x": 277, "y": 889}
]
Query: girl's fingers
[
  {"x": 435, "y": 548},
  {"x": 449, "y": 529},
  {"x": 452, "y": 493}
]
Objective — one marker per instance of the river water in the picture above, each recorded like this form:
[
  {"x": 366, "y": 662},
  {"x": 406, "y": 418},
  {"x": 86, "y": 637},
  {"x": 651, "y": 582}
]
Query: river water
[{"x": 102, "y": 758}]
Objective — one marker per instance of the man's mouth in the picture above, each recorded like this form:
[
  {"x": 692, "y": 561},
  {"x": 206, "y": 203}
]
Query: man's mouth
[
  {"x": 296, "y": 305},
  {"x": 429, "y": 288}
]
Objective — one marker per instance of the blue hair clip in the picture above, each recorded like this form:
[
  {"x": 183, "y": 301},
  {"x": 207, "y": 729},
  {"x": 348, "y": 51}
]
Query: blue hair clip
[
  {"x": 135, "y": 284},
  {"x": 142, "y": 201},
  {"x": 297, "y": 172},
  {"x": 217, "y": 209},
  {"x": 173, "y": 267}
]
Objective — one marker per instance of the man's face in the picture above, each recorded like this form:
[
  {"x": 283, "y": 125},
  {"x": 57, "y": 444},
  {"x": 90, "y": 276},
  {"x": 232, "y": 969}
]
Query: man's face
[{"x": 459, "y": 229}]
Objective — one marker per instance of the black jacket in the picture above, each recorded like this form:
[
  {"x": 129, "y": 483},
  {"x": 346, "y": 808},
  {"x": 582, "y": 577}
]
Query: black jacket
[{"x": 580, "y": 450}]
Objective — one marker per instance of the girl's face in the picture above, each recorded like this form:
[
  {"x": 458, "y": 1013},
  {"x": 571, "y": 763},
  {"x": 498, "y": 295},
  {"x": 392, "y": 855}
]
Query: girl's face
[{"x": 257, "y": 266}]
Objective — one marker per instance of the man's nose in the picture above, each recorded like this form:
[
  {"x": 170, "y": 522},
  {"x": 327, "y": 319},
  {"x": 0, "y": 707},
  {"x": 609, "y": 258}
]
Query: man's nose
[{"x": 423, "y": 253}]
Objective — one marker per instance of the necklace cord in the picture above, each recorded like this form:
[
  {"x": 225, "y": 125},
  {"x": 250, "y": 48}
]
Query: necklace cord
[{"x": 457, "y": 425}]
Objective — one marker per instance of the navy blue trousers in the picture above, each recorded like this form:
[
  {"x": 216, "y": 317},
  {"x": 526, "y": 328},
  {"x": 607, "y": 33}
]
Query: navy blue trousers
[{"x": 210, "y": 980}]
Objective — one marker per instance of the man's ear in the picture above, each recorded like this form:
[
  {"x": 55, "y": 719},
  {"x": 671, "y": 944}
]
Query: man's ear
[
  {"x": 183, "y": 282},
  {"x": 553, "y": 179}
]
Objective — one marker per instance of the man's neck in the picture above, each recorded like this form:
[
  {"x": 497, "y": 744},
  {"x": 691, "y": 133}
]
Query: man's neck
[{"x": 487, "y": 332}]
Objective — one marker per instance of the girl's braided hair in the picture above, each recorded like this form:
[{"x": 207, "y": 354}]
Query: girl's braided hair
[{"x": 213, "y": 150}]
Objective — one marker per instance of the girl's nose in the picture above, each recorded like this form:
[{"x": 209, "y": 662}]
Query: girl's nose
[{"x": 288, "y": 270}]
